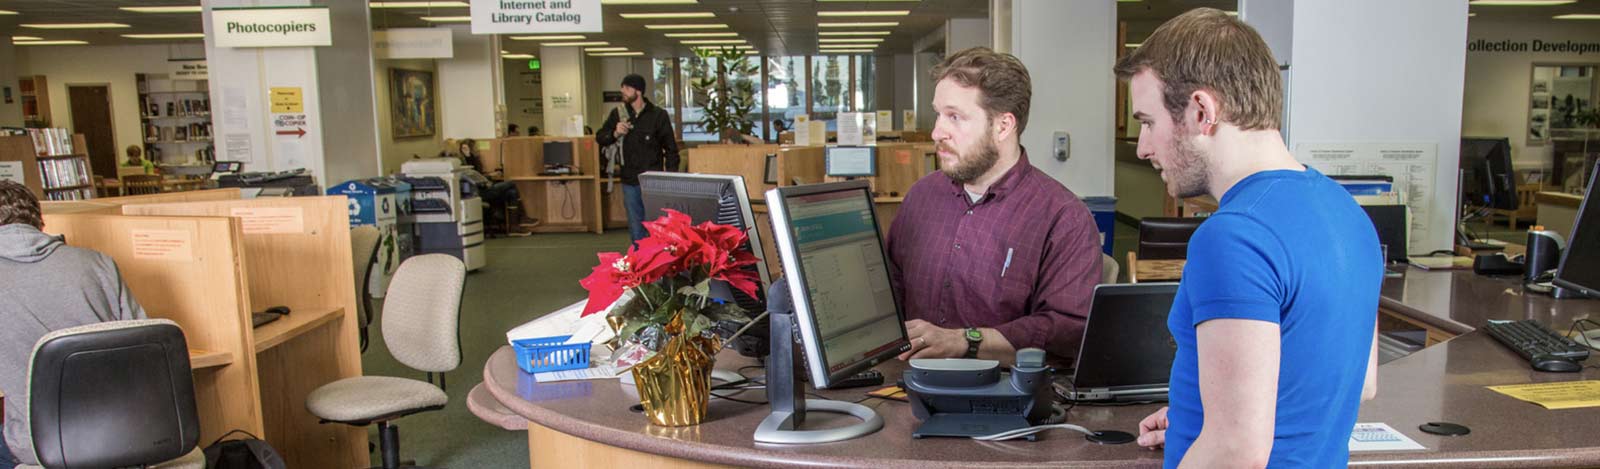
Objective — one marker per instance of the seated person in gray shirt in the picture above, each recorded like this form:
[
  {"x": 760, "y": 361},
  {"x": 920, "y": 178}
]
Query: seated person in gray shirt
[{"x": 47, "y": 286}]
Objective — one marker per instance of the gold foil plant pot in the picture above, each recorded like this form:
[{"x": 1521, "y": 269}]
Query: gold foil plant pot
[{"x": 675, "y": 384}]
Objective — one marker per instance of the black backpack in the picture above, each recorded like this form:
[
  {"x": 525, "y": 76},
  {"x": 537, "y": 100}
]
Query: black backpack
[{"x": 244, "y": 453}]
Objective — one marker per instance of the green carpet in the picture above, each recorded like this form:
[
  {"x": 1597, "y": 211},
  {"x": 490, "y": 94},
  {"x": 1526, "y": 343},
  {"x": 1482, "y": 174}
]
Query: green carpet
[{"x": 525, "y": 278}]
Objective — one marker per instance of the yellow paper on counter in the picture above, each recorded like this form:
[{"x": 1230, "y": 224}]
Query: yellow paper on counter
[{"x": 1562, "y": 395}]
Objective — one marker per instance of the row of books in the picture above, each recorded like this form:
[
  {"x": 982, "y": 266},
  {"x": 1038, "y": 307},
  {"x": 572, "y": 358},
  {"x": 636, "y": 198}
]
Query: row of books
[
  {"x": 198, "y": 131},
  {"x": 181, "y": 107},
  {"x": 51, "y": 142},
  {"x": 64, "y": 173},
  {"x": 75, "y": 194}
]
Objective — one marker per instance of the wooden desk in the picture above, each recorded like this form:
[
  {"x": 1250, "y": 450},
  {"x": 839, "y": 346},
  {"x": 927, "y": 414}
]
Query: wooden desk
[{"x": 1449, "y": 303}]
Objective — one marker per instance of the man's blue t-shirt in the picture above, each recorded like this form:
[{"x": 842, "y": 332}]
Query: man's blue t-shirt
[{"x": 1294, "y": 249}]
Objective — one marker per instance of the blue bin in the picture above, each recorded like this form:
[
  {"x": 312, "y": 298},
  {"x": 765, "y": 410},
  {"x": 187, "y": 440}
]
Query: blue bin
[
  {"x": 1104, "y": 210},
  {"x": 549, "y": 354}
]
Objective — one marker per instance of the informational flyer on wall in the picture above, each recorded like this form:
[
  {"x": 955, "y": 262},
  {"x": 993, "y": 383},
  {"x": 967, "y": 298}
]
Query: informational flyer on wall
[
  {"x": 11, "y": 171},
  {"x": 1412, "y": 165}
]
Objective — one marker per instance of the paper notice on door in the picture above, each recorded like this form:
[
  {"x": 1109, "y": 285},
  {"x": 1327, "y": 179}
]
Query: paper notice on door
[
  {"x": 11, "y": 171},
  {"x": 1380, "y": 437},
  {"x": 163, "y": 245},
  {"x": 1562, "y": 395},
  {"x": 271, "y": 220}
]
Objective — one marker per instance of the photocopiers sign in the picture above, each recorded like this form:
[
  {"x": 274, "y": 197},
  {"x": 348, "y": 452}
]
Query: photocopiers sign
[
  {"x": 535, "y": 16},
  {"x": 271, "y": 27}
]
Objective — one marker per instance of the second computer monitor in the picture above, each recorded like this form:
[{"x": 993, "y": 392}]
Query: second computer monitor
[
  {"x": 1487, "y": 178},
  {"x": 558, "y": 153},
  {"x": 716, "y": 198},
  {"x": 1580, "y": 263},
  {"x": 838, "y": 274},
  {"x": 851, "y": 161}
]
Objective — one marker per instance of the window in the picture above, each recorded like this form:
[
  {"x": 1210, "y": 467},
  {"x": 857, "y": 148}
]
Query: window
[
  {"x": 786, "y": 90},
  {"x": 695, "y": 68},
  {"x": 866, "y": 98},
  {"x": 828, "y": 87},
  {"x": 661, "y": 85},
  {"x": 753, "y": 81}
]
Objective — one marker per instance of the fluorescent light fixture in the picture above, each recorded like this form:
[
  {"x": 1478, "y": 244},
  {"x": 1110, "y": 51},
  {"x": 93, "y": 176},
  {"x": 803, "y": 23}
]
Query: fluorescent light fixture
[
  {"x": 606, "y": 49},
  {"x": 648, "y": 2},
  {"x": 848, "y": 51},
  {"x": 617, "y": 54},
  {"x": 686, "y": 26},
  {"x": 838, "y": 40},
  {"x": 860, "y": 24},
  {"x": 578, "y": 44},
  {"x": 1127, "y": 1},
  {"x": 663, "y": 16},
  {"x": 714, "y": 41},
  {"x": 864, "y": 13},
  {"x": 846, "y": 46},
  {"x": 747, "y": 46},
  {"x": 447, "y": 19},
  {"x": 1520, "y": 3},
  {"x": 854, "y": 1},
  {"x": 420, "y": 4},
  {"x": 566, "y": 37},
  {"x": 516, "y": 56},
  {"x": 164, "y": 9},
  {"x": 166, "y": 36},
  {"x": 1573, "y": 16},
  {"x": 50, "y": 43},
  {"x": 26, "y": 38},
  {"x": 74, "y": 25},
  {"x": 853, "y": 33},
  {"x": 7, "y": 12},
  {"x": 723, "y": 34},
  {"x": 1133, "y": 45}
]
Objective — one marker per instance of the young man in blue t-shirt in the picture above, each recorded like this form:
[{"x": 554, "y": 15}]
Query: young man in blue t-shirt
[{"x": 1276, "y": 315}]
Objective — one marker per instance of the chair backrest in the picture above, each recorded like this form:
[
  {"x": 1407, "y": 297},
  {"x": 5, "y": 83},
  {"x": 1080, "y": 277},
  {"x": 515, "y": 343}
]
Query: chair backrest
[
  {"x": 421, "y": 312},
  {"x": 1108, "y": 269},
  {"x": 141, "y": 184},
  {"x": 363, "y": 246},
  {"x": 1166, "y": 238},
  {"x": 112, "y": 394}
]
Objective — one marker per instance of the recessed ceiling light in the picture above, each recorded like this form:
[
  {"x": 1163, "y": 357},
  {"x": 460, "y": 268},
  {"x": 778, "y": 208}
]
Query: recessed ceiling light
[
  {"x": 1575, "y": 16},
  {"x": 74, "y": 26},
  {"x": 849, "y": 39},
  {"x": 847, "y": 46},
  {"x": 447, "y": 19},
  {"x": 847, "y": 51},
  {"x": 661, "y": 16},
  {"x": 605, "y": 49},
  {"x": 164, "y": 9},
  {"x": 50, "y": 43},
  {"x": 686, "y": 26},
  {"x": 516, "y": 56},
  {"x": 868, "y": 24},
  {"x": 865, "y": 13},
  {"x": 1133, "y": 45},
  {"x": 7, "y": 12},
  {"x": 166, "y": 36},
  {"x": 578, "y": 44},
  {"x": 714, "y": 41},
  {"x": 568, "y": 37},
  {"x": 853, "y": 33},
  {"x": 723, "y": 34},
  {"x": 26, "y": 38},
  {"x": 1520, "y": 3},
  {"x": 420, "y": 4},
  {"x": 617, "y": 54},
  {"x": 648, "y": 2}
]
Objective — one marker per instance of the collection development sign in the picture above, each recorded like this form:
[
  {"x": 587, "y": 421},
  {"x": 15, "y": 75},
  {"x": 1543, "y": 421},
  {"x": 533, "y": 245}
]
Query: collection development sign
[
  {"x": 271, "y": 27},
  {"x": 535, "y": 16}
]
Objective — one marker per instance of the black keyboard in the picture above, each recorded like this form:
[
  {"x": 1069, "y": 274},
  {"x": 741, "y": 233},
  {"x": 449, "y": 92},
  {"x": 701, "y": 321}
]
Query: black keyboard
[{"x": 1531, "y": 339}]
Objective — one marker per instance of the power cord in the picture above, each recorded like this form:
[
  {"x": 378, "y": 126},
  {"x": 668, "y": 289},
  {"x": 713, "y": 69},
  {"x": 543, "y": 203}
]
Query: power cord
[
  {"x": 569, "y": 208},
  {"x": 1583, "y": 334}
]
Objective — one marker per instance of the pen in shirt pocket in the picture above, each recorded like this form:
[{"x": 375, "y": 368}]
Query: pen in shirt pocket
[{"x": 1007, "y": 265}]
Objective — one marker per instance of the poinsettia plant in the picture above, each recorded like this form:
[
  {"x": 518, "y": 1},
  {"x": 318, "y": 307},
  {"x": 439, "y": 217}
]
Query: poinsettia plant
[{"x": 670, "y": 273}]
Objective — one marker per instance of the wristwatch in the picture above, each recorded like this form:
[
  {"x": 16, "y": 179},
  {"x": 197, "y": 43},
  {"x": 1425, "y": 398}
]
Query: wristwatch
[{"x": 974, "y": 338}]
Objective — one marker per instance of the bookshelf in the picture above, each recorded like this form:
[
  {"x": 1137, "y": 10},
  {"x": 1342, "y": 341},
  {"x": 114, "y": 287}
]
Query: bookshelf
[
  {"x": 34, "y": 93},
  {"x": 54, "y": 164},
  {"x": 175, "y": 116}
]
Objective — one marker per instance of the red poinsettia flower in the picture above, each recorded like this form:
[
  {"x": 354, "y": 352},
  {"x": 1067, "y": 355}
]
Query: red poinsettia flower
[
  {"x": 675, "y": 247},
  {"x": 610, "y": 278}
]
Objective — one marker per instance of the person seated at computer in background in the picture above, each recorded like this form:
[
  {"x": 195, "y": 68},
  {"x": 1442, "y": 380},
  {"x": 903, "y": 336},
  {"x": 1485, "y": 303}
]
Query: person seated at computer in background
[
  {"x": 498, "y": 193},
  {"x": 511, "y": 130},
  {"x": 989, "y": 254},
  {"x": 47, "y": 286}
]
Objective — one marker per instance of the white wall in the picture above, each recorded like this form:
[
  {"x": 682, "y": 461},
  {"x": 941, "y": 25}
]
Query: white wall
[
  {"x": 468, "y": 86},
  {"x": 99, "y": 65},
  {"x": 1496, "y": 91},
  {"x": 1383, "y": 71},
  {"x": 10, "y": 113},
  {"x": 1068, "y": 48},
  {"x": 608, "y": 75},
  {"x": 521, "y": 94},
  {"x": 563, "y": 79},
  {"x": 965, "y": 33},
  {"x": 396, "y": 151}
]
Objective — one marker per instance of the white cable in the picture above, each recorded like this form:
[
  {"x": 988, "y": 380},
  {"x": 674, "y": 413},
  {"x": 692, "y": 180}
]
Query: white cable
[{"x": 1022, "y": 432}]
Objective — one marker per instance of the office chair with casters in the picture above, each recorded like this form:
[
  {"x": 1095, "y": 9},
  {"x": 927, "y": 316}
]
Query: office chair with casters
[
  {"x": 113, "y": 394},
  {"x": 419, "y": 325},
  {"x": 1108, "y": 269},
  {"x": 1166, "y": 238},
  {"x": 363, "y": 252}
]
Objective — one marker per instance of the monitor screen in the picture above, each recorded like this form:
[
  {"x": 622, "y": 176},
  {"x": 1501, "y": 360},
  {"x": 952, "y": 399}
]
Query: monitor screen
[
  {"x": 1392, "y": 226},
  {"x": 558, "y": 153},
  {"x": 227, "y": 167},
  {"x": 715, "y": 198},
  {"x": 829, "y": 241},
  {"x": 1580, "y": 263},
  {"x": 1487, "y": 179},
  {"x": 851, "y": 161},
  {"x": 771, "y": 169}
]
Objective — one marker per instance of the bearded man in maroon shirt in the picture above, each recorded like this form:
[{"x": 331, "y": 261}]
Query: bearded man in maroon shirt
[{"x": 989, "y": 254}]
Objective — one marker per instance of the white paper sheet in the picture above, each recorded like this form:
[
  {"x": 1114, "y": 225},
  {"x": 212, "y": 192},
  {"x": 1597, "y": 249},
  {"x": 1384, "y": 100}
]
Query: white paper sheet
[{"x": 1380, "y": 437}]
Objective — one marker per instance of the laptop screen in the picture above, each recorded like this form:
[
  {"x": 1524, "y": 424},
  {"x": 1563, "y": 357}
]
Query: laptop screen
[{"x": 1126, "y": 342}]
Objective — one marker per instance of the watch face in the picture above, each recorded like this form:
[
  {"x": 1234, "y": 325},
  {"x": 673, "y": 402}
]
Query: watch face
[{"x": 973, "y": 335}]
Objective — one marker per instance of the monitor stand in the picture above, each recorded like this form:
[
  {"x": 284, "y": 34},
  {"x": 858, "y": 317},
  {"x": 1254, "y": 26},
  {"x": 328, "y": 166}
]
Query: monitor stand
[{"x": 785, "y": 425}]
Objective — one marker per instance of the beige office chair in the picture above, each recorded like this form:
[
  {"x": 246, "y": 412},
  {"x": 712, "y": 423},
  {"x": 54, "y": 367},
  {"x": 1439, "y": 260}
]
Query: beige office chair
[
  {"x": 420, "y": 322},
  {"x": 363, "y": 251},
  {"x": 1108, "y": 269}
]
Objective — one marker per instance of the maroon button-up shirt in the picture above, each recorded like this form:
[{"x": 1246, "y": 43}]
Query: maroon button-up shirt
[{"x": 1023, "y": 259}]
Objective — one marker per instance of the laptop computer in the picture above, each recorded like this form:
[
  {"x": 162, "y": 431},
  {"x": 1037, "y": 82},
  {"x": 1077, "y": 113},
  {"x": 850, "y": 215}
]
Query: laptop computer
[{"x": 1126, "y": 355}]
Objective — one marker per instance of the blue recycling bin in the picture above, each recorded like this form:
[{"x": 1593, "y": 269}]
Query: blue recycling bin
[{"x": 1104, "y": 210}]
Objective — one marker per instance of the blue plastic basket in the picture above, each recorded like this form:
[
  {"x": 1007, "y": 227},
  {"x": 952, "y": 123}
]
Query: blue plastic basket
[{"x": 543, "y": 354}]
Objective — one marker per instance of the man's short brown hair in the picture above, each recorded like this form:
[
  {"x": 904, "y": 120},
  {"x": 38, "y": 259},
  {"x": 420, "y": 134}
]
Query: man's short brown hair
[
  {"x": 1002, "y": 81},
  {"x": 18, "y": 205},
  {"x": 1205, "y": 49}
]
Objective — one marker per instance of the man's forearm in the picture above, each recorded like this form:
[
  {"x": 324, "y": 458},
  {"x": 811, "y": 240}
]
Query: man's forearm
[
  {"x": 1212, "y": 450},
  {"x": 995, "y": 346}
]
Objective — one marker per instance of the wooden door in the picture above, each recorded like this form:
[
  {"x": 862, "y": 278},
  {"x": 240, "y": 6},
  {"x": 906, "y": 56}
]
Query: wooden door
[{"x": 91, "y": 116}]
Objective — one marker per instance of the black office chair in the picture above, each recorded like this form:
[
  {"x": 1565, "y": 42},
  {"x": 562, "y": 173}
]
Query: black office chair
[
  {"x": 114, "y": 394},
  {"x": 1166, "y": 238}
]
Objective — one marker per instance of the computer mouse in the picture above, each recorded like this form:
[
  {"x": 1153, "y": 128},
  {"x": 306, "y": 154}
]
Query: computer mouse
[
  {"x": 1554, "y": 364},
  {"x": 278, "y": 310}
]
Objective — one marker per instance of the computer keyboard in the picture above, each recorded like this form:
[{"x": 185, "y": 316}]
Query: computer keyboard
[{"x": 1531, "y": 339}]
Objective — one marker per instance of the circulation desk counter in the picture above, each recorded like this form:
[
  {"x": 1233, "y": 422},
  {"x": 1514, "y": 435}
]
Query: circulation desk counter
[{"x": 588, "y": 423}]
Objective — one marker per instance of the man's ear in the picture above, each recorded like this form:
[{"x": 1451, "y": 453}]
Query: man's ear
[
  {"x": 1004, "y": 125},
  {"x": 1207, "y": 110}
]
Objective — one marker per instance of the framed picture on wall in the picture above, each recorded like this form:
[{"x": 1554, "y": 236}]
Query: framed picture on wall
[{"x": 411, "y": 104}]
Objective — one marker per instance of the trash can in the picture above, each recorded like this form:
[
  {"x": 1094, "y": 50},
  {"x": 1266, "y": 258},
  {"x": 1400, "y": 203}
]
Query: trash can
[{"x": 1104, "y": 210}]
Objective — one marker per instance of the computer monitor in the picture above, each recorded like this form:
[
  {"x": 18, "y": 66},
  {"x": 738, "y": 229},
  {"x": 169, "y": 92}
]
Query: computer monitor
[
  {"x": 227, "y": 167},
  {"x": 1580, "y": 263},
  {"x": 851, "y": 161},
  {"x": 558, "y": 153},
  {"x": 1487, "y": 179},
  {"x": 771, "y": 169},
  {"x": 716, "y": 198},
  {"x": 838, "y": 275},
  {"x": 1391, "y": 223}
]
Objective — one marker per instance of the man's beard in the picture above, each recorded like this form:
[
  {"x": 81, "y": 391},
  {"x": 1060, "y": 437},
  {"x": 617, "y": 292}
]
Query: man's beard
[
  {"x": 1190, "y": 174},
  {"x": 969, "y": 168}
]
